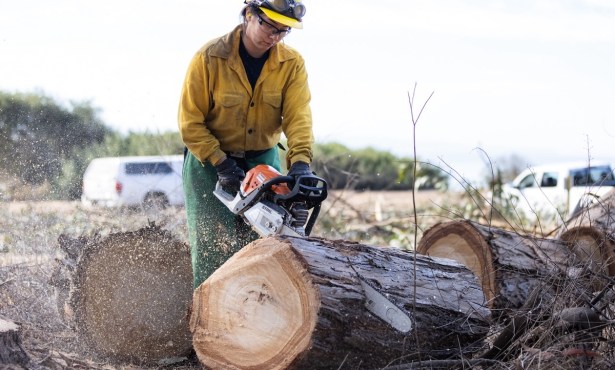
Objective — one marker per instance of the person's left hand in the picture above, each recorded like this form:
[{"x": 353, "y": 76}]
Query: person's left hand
[{"x": 299, "y": 169}]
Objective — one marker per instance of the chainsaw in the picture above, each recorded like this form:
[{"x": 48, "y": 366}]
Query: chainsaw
[{"x": 273, "y": 204}]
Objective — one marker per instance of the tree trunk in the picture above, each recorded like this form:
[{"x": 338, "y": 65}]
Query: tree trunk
[
  {"x": 508, "y": 265},
  {"x": 11, "y": 351},
  {"x": 128, "y": 295},
  {"x": 299, "y": 303}
]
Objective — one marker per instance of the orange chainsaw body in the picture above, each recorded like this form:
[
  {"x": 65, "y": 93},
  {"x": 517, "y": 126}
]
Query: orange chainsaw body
[{"x": 258, "y": 176}]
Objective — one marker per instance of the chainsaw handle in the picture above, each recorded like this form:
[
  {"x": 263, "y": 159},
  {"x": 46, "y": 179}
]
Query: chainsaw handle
[
  {"x": 312, "y": 195},
  {"x": 277, "y": 180}
]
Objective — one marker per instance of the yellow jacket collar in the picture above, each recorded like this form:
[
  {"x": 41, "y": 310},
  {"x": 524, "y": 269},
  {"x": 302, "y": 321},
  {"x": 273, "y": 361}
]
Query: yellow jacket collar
[{"x": 227, "y": 47}]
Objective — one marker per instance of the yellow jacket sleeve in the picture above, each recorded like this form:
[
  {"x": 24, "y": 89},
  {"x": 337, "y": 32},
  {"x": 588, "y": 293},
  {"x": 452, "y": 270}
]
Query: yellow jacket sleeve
[{"x": 195, "y": 103}]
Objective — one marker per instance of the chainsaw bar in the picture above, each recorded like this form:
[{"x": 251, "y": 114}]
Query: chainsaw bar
[
  {"x": 382, "y": 307},
  {"x": 379, "y": 305}
]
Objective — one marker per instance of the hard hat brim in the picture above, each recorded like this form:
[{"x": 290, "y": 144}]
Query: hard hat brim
[{"x": 282, "y": 19}]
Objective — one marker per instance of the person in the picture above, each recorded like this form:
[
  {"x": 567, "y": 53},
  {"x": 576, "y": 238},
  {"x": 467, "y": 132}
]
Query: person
[{"x": 240, "y": 93}]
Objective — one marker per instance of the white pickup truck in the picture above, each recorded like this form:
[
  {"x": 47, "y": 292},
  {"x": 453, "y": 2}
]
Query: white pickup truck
[
  {"x": 150, "y": 181},
  {"x": 555, "y": 192}
]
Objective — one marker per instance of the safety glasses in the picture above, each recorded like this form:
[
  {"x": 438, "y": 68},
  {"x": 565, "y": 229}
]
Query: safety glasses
[{"x": 272, "y": 30}]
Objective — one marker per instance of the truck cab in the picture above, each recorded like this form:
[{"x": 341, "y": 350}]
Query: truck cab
[{"x": 556, "y": 191}]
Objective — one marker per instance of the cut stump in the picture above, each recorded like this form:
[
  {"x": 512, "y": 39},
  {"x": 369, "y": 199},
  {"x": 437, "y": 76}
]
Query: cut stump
[
  {"x": 509, "y": 265},
  {"x": 298, "y": 303},
  {"x": 129, "y": 294},
  {"x": 12, "y": 354}
]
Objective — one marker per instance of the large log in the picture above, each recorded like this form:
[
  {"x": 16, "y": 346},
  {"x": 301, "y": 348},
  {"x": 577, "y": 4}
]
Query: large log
[
  {"x": 128, "y": 295},
  {"x": 12, "y": 354},
  {"x": 509, "y": 265},
  {"x": 592, "y": 231},
  {"x": 299, "y": 303}
]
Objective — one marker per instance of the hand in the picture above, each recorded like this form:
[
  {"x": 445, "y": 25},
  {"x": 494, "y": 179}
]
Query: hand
[
  {"x": 299, "y": 169},
  {"x": 230, "y": 175}
]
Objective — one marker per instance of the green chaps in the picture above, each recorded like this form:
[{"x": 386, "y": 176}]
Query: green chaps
[{"x": 214, "y": 232}]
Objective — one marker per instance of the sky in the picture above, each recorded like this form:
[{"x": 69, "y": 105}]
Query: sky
[{"x": 534, "y": 79}]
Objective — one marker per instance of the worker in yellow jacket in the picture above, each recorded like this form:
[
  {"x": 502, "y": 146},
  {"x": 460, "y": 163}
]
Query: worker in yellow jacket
[{"x": 241, "y": 92}]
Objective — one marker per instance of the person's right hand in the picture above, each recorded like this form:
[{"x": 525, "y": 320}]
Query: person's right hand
[{"x": 230, "y": 175}]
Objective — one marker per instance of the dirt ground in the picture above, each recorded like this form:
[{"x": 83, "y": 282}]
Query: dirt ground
[{"x": 29, "y": 234}]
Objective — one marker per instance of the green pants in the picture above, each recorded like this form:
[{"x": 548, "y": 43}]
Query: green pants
[{"x": 214, "y": 232}]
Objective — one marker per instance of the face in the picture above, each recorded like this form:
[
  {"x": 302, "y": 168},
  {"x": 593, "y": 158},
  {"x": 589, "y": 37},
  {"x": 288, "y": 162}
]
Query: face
[{"x": 262, "y": 32}]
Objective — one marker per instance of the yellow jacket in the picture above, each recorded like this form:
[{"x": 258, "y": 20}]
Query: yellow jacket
[{"x": 219, "y": 112}]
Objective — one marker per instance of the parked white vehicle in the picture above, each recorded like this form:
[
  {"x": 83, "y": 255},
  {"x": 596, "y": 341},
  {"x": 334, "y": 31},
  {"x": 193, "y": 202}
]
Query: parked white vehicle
[
  {"x": 559, "y": 190},
  {"x": 134, "y": 181}
]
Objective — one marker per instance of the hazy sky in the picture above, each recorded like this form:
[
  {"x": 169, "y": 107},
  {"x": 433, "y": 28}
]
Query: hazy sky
[{"x": 530, "y": 78}]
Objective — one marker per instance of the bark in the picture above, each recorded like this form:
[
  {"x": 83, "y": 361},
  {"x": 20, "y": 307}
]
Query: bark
[
  {"x": 12, "y": 354},
  {"x": 127, "y": 295},
  {"x": 299, "y": 303},
  {"x": 510, "y": 266}
]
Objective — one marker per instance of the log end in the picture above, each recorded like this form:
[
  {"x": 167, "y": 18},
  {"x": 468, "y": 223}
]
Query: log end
[
  {"x": 593, "y": 248},
  {"x": 460, "y": 241},
  {"x": 256, "y": 311}
]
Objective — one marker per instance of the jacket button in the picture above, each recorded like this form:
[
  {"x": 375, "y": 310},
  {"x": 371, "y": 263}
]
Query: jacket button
[{"x": 250, "y": 131}]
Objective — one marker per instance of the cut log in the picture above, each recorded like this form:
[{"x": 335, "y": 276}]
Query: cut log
[
  {"x": 11, "y": 351},
  {"x": 592, "y": 231},
  {"x": 299, "y": 303},
  {"x": 508, "y": 265},
  {"x": 129, "y": 294},
  {"x": 595, "y": 248}
]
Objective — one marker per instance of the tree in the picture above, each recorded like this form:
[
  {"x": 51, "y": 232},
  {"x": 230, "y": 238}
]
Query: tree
[
  {"x": 371, "y": 169},
  {"x": 37, "y": 134}
]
